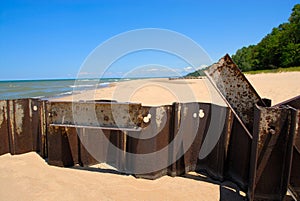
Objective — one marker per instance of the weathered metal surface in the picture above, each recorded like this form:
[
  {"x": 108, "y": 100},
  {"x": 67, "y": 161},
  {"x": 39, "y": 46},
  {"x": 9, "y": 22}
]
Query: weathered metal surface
[
  {"x": 151, "y": 142},
  {"x": 214, "y": 163},
  {"x": 4, "y": 133},
  {"x": 96, "y": 114},
  {"x": 190, "y": 123},
  {"x": 87, "y": 137},
  {"x": 35, "y": 118},
  {"x": 23, "y": 121},
  {"x": 43, "y": 129},
  {"x": 62, "y": 146},
  {"x": 271, "y": 154},
  {"x": 294, "y": 185},
  {"x": 293, "y": 102},
  {"x": 235, "y": 89},
  {"x": 239, "y": 151},
  {"x": 87, "y": 133},
  {"x": 100, "y": 127},
  {"x": 102, "y": 146}
]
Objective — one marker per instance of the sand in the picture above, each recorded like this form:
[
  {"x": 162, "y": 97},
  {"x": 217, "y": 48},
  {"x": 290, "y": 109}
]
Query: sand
[
  {"x": 276, "y": 86},
  {"x": 29, "y": 177},
  {"x": 162, "y": 91}
]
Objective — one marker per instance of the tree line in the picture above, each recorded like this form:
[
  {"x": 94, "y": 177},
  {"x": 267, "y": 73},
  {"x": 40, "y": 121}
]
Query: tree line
[{"x": 280, "y": 48}]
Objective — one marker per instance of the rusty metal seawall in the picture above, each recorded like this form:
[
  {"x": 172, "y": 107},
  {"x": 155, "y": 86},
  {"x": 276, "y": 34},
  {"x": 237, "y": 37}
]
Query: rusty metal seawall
[
  {"x": 168, "y": 128},
  {"x": 52, "y": 129},
  {"x": 258, "y": 146},
  {"x": 263, "y": 135},
  {"x": 22, "y": 126}
]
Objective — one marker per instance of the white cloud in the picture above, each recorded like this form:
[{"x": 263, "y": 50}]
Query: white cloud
[{"x": 189, "y": 69}]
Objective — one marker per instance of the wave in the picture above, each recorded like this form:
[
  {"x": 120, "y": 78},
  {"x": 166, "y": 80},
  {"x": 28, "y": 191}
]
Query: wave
[
  {"x": 104, "y": 84},
  {"x": 82, "y": 86},
  {"x": 49, "y": 88}
]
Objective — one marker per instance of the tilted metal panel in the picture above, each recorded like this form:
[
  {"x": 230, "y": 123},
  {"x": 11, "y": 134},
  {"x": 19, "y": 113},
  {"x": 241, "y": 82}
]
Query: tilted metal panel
[{"x": 236, "y": 90}]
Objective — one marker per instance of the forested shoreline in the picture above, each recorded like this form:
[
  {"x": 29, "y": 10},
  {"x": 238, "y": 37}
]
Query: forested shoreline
[{"x": 278, "y": 51}]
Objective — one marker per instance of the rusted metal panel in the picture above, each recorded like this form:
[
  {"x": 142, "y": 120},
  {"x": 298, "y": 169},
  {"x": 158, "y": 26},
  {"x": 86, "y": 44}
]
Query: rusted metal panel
[
  {"x": 239, "y": 152},
  {"x": 147, "y": 152},
  {"x": 34, "y": 115},
  {"x": 23, "y": 125},
  {"x": 188, "y": 123},
  {"x": 116, "y": 149},
  {"x": 4, "y": 132},
  {"x": 87, "y": 137},
  {"x": 96, "y": 114},
  {"x": 176, "y": 166},
  {"x": 43, "y": 126},
  {"x": 271, "y": 154},
  {"x": 188, "y": 136},
  {"x": 235, "y": 89},
  {"x": 191, "y": 156},
  {"x": 294, "y": 185},
  {"x": 102, "y": 146},
  {"x": 100, "y": 126},
  {"x": 293, "y": 102},
  {"x": 204, "y": 130},
  {"x": 62, "y": 146},
  {"x": 214, "y": 163}
]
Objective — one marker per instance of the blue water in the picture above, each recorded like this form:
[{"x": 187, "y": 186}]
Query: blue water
[{"x": 49, "y": 88}]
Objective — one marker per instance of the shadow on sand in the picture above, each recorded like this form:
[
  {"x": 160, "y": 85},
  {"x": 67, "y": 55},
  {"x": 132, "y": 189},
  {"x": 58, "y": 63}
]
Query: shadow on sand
[{"x": 228, "y": 190}]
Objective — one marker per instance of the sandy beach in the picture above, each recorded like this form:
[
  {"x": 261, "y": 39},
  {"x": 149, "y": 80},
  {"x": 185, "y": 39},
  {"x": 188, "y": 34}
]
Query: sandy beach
[
  {"x": 162, "y": 91},
  {"x": 29, "y": 177}
]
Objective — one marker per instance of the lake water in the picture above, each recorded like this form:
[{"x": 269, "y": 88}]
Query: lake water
[{"x": 49, "y": 88}]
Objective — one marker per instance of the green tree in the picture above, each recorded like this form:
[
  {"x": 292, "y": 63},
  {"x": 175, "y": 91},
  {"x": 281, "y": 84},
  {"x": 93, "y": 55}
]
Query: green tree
[
  {"x": 245, "y": 58},
  {"x": 280, "y": 48}
]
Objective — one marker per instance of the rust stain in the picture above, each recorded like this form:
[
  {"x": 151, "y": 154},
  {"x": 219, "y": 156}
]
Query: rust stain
[
  {"x": 235, "y": 88},
  {"x": 101, "y": 114},
  {"x": 160, "y": 113},
  {"x": 19, "y": 115},
  {"x": 11, "y": 122},
  {"x": 3, "y": 108}
]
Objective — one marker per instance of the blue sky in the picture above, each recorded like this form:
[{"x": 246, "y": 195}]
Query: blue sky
[{"x": 51, "y": 39}]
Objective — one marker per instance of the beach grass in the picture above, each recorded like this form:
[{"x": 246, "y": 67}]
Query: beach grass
[{"x": 278, "y": 70}]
